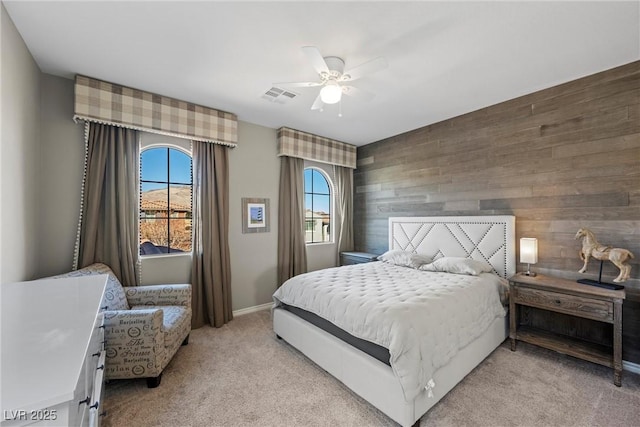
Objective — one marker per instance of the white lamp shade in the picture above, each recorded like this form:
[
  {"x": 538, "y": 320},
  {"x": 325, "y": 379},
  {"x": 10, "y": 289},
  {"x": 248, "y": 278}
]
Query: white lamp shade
[
  {"x": 529, "y": 250},
  {"x": 331, "y": 93}
]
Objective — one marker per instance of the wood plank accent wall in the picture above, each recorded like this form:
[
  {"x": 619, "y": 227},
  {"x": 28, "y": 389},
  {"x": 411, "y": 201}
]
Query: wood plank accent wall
[{"x": 558, "y": 159}]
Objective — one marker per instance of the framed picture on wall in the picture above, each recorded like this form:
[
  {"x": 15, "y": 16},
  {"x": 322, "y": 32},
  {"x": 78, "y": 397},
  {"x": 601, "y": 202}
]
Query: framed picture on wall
[{"x": 255, "y": 215}]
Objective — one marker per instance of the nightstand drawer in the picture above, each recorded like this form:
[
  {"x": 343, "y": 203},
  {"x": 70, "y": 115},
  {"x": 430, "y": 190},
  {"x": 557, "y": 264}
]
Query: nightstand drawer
[
  {"x": 568, "y": 304},
  {"x": 571, "y": 300}
]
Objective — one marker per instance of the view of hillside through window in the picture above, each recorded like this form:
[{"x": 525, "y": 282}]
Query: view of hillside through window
[{"x": 165, "y": 201}]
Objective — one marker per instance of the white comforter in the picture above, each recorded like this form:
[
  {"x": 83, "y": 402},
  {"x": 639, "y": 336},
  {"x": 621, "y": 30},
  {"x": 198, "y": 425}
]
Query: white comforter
[{"x": 422, "y": 317}]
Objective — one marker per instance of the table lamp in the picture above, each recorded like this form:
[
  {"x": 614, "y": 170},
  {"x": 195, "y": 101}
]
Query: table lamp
[{"x": 529, "y": 253}]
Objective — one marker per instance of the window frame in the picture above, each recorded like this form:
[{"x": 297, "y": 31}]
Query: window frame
[
  {"x": 169, "y": 146},
  {"x": 331, "y": 195}
]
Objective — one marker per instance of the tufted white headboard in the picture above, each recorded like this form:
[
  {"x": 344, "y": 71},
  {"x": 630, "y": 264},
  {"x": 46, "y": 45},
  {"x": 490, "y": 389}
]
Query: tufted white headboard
[{"x": 485, "y": 238}]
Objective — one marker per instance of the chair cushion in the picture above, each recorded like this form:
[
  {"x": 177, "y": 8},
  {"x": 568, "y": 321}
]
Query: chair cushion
[
  {"x": 176, "y": 320},
  {"x": 114, "y": 297}
]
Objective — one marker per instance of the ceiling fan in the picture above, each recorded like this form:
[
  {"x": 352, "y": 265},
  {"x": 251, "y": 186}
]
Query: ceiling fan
[{"x": 333, "y": 77}]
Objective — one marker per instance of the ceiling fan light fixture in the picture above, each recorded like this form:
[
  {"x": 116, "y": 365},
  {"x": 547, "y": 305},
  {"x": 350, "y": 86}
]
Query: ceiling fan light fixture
[{"x": 331, "y": 93}]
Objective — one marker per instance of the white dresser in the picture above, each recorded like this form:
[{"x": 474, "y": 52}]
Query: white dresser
[{"x": 52, "y": 355}]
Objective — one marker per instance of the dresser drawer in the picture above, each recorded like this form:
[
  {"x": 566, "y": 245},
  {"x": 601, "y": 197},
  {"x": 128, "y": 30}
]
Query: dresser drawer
[
  {"x": 94, "y": 365},
  {"x": 96, "y": 396},
  {"x": 568, "y": 304},
  {"x": 96, "y": 347}
]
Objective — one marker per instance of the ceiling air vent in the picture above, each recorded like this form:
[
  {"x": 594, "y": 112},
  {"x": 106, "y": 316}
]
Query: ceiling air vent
[{"x": 278, "y": 95}]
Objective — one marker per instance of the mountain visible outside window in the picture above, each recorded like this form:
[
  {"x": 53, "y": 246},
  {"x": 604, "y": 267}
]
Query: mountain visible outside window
[{"x": 165, "y": 201}]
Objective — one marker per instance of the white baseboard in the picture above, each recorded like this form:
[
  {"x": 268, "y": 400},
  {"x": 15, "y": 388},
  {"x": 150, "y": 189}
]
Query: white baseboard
[
  {"x": 631, "y": 367},
  {"x": 253, "y": 309}
]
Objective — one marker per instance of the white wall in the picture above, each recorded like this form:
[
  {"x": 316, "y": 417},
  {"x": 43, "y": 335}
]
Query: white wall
[
  {"x": 42, "y": 159},
  {"x": 61, "y": 172},
  {"x": 254, "y": 171},
  {"x": 161, "y": 269},
  {"x": 19, "y": 157},
  {"x": 62, "y": 166}
]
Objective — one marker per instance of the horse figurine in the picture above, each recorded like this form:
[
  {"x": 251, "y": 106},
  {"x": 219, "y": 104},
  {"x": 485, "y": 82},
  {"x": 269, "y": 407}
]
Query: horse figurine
[{"x": 592, "y": 248}]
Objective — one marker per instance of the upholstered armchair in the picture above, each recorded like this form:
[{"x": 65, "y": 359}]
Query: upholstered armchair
[{"x": 143, "y": 326}]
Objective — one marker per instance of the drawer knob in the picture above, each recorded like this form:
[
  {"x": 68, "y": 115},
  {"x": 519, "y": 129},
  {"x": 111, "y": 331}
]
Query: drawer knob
[
  {"x": 85, "y": 401},
  {"x": 100, "y": 367},
  {"x": 104, "y": 308},
  {"x": 95, "y": 405}
]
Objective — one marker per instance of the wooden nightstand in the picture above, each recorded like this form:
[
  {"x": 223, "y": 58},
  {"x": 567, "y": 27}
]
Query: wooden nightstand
[
  {"x": 348, "y": 258},
  {"x": 571, "y": 299}
]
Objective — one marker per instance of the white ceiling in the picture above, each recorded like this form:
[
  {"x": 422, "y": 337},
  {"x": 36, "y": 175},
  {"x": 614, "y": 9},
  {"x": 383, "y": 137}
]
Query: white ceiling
[{"x": 445, "y": 58}]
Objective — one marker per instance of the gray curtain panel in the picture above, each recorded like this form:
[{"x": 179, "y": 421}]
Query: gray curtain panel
[
  {"x": 109, "y": 222},
  {"x": 292, "y": 250},
  {"x": 344, "y": 203},
  {"x": 211, "y": 268}
]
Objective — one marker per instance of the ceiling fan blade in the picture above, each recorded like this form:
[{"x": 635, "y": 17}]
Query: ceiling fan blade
[
  {"x": 299, "y": 84},
  {"x": 365, "y": 95},
  {"x": 316, "y": 59},
  {"x": 369, "y": 67},
  {"x": 317, "y": 104}
]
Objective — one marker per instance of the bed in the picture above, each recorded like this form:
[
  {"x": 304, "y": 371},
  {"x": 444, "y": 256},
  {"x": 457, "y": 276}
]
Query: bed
[{"x": 401, "y": 379}]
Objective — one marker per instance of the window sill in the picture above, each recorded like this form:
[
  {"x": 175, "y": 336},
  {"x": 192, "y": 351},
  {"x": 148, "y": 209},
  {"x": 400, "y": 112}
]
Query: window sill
[
  {"x": 170, "y": 255},
  {"x": 320, "y": 243}
]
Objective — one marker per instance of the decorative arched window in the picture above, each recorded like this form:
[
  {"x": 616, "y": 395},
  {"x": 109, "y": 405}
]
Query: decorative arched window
[
  {"x": 165, "y": 200},
  {"x": 317, "y": 201}
]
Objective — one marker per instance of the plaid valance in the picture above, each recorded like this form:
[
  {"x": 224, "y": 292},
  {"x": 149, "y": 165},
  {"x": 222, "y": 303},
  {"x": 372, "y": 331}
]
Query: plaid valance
[
  {"x": 103, "y": 102},
  {"x": 295, "y": 143}
]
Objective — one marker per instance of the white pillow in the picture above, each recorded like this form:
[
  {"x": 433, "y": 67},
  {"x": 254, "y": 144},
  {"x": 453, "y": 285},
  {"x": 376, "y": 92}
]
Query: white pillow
[
  {"x": 404, "y": 259},
  {"x": 457, "y": 265}
]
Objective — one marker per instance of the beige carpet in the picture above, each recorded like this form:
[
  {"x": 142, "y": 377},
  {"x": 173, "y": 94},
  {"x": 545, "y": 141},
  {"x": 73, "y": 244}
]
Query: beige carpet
[{"x": 242, "y": 375}]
